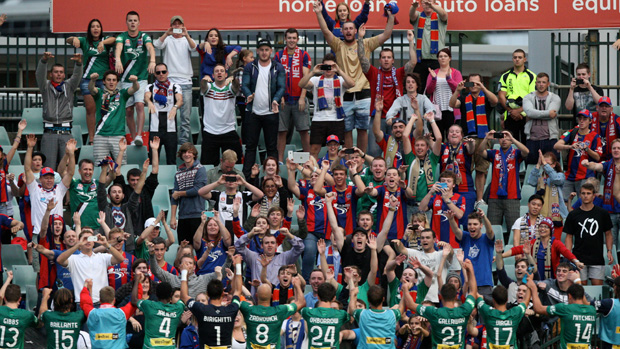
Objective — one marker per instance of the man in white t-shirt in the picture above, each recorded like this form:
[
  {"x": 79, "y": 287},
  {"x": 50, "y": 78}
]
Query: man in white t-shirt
[
  {"x": 178, "y": 57},
  {"x": 89, "y": 265},
  {"x": 163, "y": 98},
  {"x": 264, "y": 83},
  {"x": 41, "y": 193},
  {"x": 327, "y": 90},
  {"x": 220, "y": 119}
]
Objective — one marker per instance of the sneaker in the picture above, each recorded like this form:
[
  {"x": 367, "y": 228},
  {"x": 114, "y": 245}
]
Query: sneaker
[
  {"x": 137, "y": 141},
  {"x": 478, "y": 204}
]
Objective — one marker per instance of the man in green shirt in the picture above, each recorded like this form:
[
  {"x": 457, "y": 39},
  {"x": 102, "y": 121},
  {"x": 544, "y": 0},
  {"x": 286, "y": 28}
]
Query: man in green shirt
[
  {"x": 323, "y": 322},
  {"x": 449, "y": 323},
  {"x": 162, "y": 316},
  {"x": 501, "y": 323},
  {"x": 61, "y": 325},
  {"x": 131, "y": 59},
  {"x": 110, "y": 103},
  {"x": 83, "y": 194},
  {"x": 264, "y": 322},
  {"x": 14, "y": 321},
  {"x": 577, "y": 318}
]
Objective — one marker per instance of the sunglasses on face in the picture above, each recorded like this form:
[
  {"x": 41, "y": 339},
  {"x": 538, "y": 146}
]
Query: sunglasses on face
[{"x": 161, "y": 72}]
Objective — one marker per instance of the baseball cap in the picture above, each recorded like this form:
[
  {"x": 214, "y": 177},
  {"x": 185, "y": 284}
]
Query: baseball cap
[
  {"x": 150, "y": 222},
  {"x": 174, "y": 18},
  {"x": 47, "y": 171},
  {"x": 360, "y": 230},
  {"x": 263, "y": 42},
  {"x": 604, "y": 100},
  {"x": 396, "y": 121},
  {"x": 38, "y": 153},
  {"x": 547, "y": 221},
  {"x": 332, "y": 138},
  {"x": 586, "y": 113}
]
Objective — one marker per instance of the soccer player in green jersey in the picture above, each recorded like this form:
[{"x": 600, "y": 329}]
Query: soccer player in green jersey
[
  {"x": 324, "y": 322},
  {"x": 61, "y": 325},
  {"x": 264, "y": 322},
  {"x": 577, "y": 318},
  {"x": 449, "y": 323},
  {"x": 14, "y": 321},
  {"x": 501, "y": 323}
]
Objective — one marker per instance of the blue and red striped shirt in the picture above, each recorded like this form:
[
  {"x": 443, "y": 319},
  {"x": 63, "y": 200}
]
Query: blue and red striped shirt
[
  {"x": 459, "y": 161},
  {"x": 505, "y": 178},
  {"x": 345, "y": 207},
  {"x": 316, "y": 215},
  {"x": 576, "y": 172},
  {"x": 121, "y": 273},
  {"x": 439, "y": 221},
  {"x": 399, "y": 224},
  {"x": 167, "y": 267}
]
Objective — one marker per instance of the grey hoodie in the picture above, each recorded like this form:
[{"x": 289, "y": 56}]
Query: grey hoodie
[{"x": 57, "y": 106}]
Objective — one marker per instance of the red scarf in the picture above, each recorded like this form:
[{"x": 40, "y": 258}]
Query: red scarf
[
  {"x": 610, "y": 177},
  {"x": 610, "y": 133},
  {"x": 294, "y": 73},
  {"x": 275, "y": 298}
]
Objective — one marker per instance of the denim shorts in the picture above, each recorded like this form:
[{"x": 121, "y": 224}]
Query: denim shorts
[
  {"x": 357, "y": 114},
  {"x": 84, "y": 86}
]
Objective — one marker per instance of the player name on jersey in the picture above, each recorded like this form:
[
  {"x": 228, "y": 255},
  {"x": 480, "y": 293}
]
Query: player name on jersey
[
  {"x": 458, "y": 321},
  {"x": 325, "y": 321},
  {"x": 217, "y": 319},
  {"x": 57, "y": 324},
  {"x": 264, "y": 318}
]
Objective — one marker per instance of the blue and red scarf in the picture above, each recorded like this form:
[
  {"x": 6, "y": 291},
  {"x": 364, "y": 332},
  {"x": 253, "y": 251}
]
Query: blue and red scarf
[
  {"x": 478, "y": 119},
  {"x": 434, "y": 34},
  {"x": 337, "y": 97}
]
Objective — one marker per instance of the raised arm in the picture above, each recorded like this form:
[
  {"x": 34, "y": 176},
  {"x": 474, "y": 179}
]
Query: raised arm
[
  {"x": 337, "y": 231},
  {"x": 361, "y": 51},
  {"x": 458, "y": 233},
  {"x": 70, "y": 151},
  {"x": 31, "y": 141},
  {"x": 318, "y": 8},
  {"x": 389, "y": 26},
  {"x": 320, "y": 181},
  {"x": 413, "y": 56},
  {"x": 374, "y": 261},
  {"x": 376, "y": 121},
  {"x": 299, "y": 301},
  {"x": 389, "y": 218}
]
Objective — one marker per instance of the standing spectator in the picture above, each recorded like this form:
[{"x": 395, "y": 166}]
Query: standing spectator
[
  {"x": 213, "y": 51},
  {"x": 515, "y": 84},
  {"x": 404, "y": 105},
  {"x": 163, "y": 98},
  {"x": 190, "y": 177},
  {"x": 131, "y": 60},
  {"x": 582, "y": 144},
  {"x": 89, "y": 265},
  {"x": 525, "y": 228},
  {"x": 505, "y": 187},
  {"x": 582, "y": 94},
  {"x": 477, "y": 105},
  {"x": 245, "y": 56},
  {"x": 121, "y": 273},
  {"x": 387, "y": 79},
  {"x": 178, "y": 48},
  {"x": 110, "y": 106},
  {"x": 541, "y": 127},
  {"x": 211, "y": 239},
  {"x": 430, "y": 25},
  {"x": 57, "y": 95},
  {"x": 327, "y": 91},
  {"x": 41, "y": 194},
  {"x": 547, "y": 175},
  {"x": 297, "y": 64},
  {"x": 441, "y": 84},
  {"x": 226, "y": 165},
  {"x": 83, "y": 194},
  {"x": 263, "y": 86},
  {"x": 596, "y": 223},
  {"x": 96, "y": 51},
  {"x": 343, "y": 15},
  {"x": 357, "y": 99},
  {"x": 605, "y": 123},
  {"x": 6, "y": 195},
  {"x": 219, "y": 118},
  {"x": 609, "y": 309}
]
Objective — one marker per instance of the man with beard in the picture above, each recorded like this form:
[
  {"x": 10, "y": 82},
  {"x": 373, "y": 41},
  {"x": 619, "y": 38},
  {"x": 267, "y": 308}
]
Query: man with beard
[
  {"x": 357, "y": 99},
  {"x": 605, "y": 123}
]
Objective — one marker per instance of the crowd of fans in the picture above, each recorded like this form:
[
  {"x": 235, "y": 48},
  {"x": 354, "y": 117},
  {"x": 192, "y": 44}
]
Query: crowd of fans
[{"x": 393, "y": 238}]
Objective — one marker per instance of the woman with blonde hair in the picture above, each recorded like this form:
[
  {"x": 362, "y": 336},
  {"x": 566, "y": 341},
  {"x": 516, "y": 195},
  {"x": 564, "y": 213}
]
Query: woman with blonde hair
[
  {"x": 343, "y": 15},
  {"x": 417, "y": 223}
]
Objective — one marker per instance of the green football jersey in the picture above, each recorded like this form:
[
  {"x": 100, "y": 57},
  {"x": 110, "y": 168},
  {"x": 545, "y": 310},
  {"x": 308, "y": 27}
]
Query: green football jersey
[
  {"x": 161, "y": 323},
  {"x": 577, "y": 322},
  {"x": 501, "y": 325},
  {"x": 449, "y": 325},
  {"x": 264, "y": 324},
  {"x": 94, "y": 61},
  {"x": 84, "y": 200},
  {"x": 111, "y": 112},
  {"x": 63, "y": 329},
  {"x": 324, "y": 326},
  {"x": 134, "y": 55},
  {"x": 13, "y": 324}
]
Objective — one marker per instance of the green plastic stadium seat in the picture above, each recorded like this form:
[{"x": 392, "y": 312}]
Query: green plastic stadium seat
[
  {"x": 24, "y": 275},
  {"x": 166, "y": 175},
  {"x": 13, "y": 255},
  {"x": 171, "y": 254},
  {"x": 161, "y": 198},
  {"x": 31, "y": 297},
  {"x": 86, "y": 152},
  {"x": 136, "y": 155},
  {"x": 79, "y": 119},
  {"x": 4, "y": 137},
  {"x": 34, "y": 117}
]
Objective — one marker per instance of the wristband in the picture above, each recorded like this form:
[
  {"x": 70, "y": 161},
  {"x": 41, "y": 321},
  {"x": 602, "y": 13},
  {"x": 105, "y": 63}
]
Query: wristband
[
  {"x": 577, "y": 280},
  {"x": 432, "y": 121},
  {"x": 238, "y": 269},
  {"x": 183, "y": 275}
]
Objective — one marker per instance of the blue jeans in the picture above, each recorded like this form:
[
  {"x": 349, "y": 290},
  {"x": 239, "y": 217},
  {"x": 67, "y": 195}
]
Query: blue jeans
[
  {"x": 309, "y": 259},
  {"x": 269, "y": 124},
  {"x": 186, "y": 111}
]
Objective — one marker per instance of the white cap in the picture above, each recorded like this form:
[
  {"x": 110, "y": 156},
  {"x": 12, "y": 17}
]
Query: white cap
[{"x": 150, "y": 222}]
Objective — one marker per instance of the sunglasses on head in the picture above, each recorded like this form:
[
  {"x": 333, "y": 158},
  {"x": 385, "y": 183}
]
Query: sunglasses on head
[{"x": 161, "y": 72}]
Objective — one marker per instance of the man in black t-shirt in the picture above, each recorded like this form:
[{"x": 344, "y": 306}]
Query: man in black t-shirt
[
  {"x": 582, "y": 94},
  {"x": 587, "y": 229},
  {"x": 215, "y": 320}
]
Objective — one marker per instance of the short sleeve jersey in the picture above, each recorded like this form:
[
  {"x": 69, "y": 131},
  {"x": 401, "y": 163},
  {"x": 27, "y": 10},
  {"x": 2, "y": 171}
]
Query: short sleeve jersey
[
  {"x": 111, "y": 112},
  {"x": 501, "y": 325},
  {"x": 39, "y": 197},
  {"x": 439, "y": 221},
  {"x": 13, "y": 324},
  {"x": 215, "y": 324},
  {"x": 94, "y": 61},
  {"x": 505, "y": 182},
  {"x": 161, "y": 323},
  {"x": 577, "y": 322},
  {"x": 264, "y": 324},
  {"x": 63, "y": 329},
  {"x": 84, "y": 201},
  {"x": 373, "y": 336},
  {"x": 134, "y": 55},
  {"x": 347, "y": 58},
  {"x": 574, "y": 171},
  {"x": 219, "y": 109},
  {"x": 480, "y": 252},
  {"x": 449, "y": 325},
  {"x": 324, "y": 326}
]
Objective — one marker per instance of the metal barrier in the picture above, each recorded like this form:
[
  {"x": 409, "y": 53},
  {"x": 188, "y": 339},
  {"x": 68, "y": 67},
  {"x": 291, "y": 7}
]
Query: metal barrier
[{"x": 19, "y": 57}]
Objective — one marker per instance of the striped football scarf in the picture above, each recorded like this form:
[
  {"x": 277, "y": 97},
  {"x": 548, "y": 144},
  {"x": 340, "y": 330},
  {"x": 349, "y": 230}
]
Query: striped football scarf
[
  {"x": 479, "y": 118},
  {"x": 434, "y": 34},
  {"x": 337, "y": 96},
  {"x": 275, "y": 298}
]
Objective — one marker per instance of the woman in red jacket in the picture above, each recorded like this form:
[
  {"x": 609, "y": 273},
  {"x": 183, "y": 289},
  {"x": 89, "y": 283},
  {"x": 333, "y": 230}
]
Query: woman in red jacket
[{"x": 546, "y": 262}]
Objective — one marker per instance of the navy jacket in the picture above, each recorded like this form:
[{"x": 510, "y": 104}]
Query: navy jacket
[{"x": 277, "y": 81}]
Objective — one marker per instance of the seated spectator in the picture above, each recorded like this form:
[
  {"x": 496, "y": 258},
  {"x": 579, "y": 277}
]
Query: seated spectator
[
  {"x": 547, "y": 175},
  {"x": 211, "y": 239}
]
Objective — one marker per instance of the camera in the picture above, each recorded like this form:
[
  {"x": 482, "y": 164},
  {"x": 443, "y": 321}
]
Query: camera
[
  {"x": 579, "y": 81},
  {"x": 326, "y": 67},
  {"x": 469, "y": 84}
]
